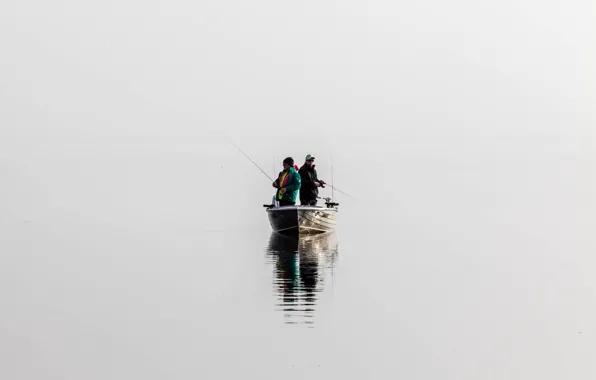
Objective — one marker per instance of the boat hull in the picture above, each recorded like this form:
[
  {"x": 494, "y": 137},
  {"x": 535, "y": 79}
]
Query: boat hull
[{"x": 294, "y": 220}]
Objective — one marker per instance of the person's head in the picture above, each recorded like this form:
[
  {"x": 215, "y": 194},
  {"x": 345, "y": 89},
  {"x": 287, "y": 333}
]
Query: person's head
[
  {"x": 288, "y": 163},
  {"x": 309, "y": 160}
]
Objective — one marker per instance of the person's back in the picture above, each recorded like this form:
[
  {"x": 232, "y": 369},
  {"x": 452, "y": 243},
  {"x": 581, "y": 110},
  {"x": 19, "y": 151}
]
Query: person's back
[{"x": 288, "y": 184}]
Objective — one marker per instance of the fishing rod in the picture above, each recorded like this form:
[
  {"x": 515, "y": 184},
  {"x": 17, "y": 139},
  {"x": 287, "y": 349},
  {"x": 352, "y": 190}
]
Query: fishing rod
[
  {"x": 251, "y": 160},
  {"x": 271, "y": 179},
  {"x": 340, "y": 191},
  {"x": 333, "y": 188},
  {"x": 332, "y": 181}
]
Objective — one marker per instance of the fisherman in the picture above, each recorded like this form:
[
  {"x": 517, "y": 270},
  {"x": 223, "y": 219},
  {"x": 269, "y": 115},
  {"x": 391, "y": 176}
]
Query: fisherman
[
  {"x": 287, "y": 184},
  {"x": 309, "y": 192}
]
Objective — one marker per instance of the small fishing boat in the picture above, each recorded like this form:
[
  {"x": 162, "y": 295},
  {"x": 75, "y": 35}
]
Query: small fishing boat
[
  {"x": 303, "y": 220},
  {"x": 300, "y": 220}
]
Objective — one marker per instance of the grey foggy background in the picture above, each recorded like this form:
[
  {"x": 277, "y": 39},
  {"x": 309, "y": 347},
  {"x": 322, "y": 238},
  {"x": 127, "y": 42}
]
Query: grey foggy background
[{"x": 131, "y": 234}]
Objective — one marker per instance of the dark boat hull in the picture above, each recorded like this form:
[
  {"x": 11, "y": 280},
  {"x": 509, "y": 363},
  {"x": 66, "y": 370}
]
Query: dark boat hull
[{"x": 294, "y": 220}]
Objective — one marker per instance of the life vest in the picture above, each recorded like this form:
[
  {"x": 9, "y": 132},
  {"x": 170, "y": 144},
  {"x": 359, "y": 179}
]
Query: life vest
[{"x": 283, "y": 182}]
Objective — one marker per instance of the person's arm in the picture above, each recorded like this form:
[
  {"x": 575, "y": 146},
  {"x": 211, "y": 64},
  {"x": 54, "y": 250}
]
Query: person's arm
[
  {"x": 315, "y": 178},
  {"x": 316, "y": 181},
  {"x": 276, "y": 182},
  {"x": 306, "y": 178}
]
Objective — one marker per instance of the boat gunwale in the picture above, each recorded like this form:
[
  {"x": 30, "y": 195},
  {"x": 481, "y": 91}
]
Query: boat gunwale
[{"x": 302, "y": 208}]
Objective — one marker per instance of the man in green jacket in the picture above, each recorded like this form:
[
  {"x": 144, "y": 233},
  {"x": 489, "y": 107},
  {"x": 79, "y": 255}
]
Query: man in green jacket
[{"x": 287, "y": 184}]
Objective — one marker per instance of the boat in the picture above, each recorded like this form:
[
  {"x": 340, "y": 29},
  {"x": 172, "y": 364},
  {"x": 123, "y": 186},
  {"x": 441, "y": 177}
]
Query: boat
[{"x": 303, "y": 220}]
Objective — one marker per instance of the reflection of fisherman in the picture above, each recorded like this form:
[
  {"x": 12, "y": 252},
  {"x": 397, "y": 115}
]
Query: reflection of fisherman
[
  {"x": 297, "y": 270},
  {"x": 309, "y": 275},
  {"x": 287, "y": 184},
  {"x": 288, "y": 277},
  {"x": 309, "y": 192},
  {"x": 299, "y": 275}
]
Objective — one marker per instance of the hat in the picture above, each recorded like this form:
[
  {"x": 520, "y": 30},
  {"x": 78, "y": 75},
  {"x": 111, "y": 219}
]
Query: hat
[
  {"x": 309, "y": 157},
  {"x": 289, "y": 161}
]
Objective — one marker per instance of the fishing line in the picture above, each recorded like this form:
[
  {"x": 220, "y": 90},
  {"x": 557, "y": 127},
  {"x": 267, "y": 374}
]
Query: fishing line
[
  {"x": 271, "y": 179},
  {"x": 251, "y": 160}
]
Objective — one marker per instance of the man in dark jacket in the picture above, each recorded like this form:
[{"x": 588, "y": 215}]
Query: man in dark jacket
[
  {"x": 309, "y": 191},
  {"x": 287, "y": 184}
]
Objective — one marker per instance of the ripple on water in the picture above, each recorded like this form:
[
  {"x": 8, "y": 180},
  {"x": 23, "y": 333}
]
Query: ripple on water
[{"x": 300, "y": 268}]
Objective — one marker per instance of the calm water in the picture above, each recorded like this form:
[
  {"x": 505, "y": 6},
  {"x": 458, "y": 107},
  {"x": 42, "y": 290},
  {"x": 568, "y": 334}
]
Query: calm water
[
  {"x": 302, "y": 268},
  {"x": 126, "y": 265},
  {"x": 133, "y": 244}
]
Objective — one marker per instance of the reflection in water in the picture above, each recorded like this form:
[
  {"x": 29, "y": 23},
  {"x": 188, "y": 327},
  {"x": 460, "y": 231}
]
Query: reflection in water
[{"x": 300, "y": 269}]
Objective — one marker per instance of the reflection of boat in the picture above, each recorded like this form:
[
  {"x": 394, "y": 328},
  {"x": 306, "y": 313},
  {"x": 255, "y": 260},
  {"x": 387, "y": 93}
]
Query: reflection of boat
[
  {"x": 303, "y": 219},
  {"x": 300, "y": 268}
]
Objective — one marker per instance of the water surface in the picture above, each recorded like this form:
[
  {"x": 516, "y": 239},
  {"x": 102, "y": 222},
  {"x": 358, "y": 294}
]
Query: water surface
[{"x": 302, "y": 268}]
